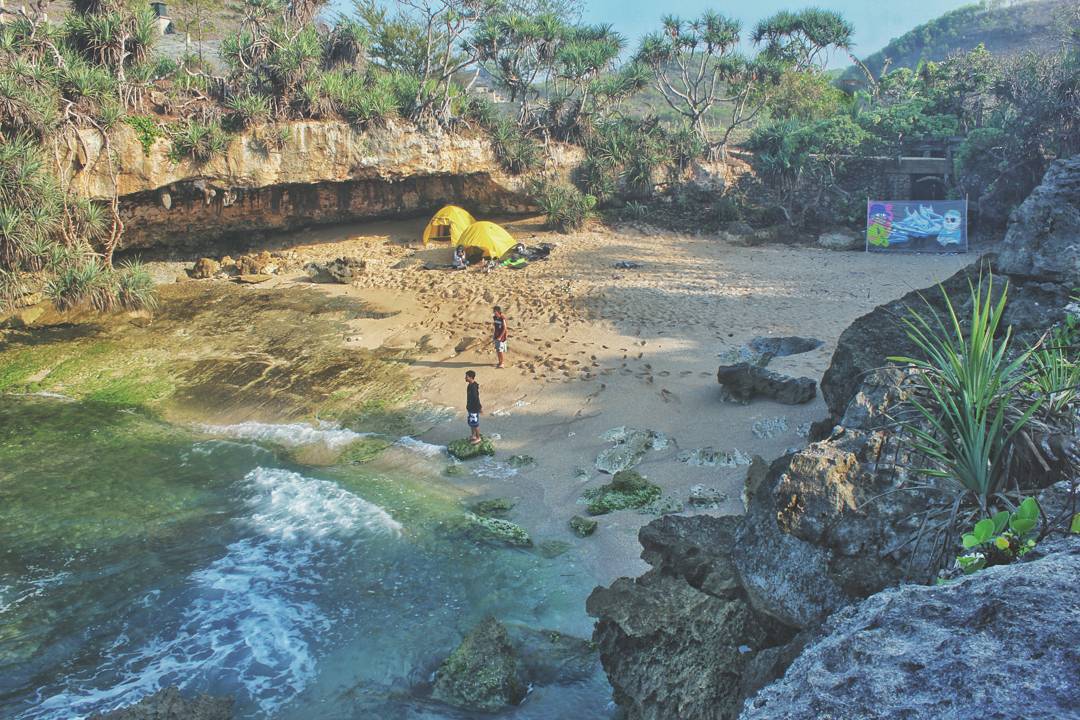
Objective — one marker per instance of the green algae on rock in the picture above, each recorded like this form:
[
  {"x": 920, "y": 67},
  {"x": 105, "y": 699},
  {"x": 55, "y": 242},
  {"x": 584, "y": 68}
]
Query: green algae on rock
[
  {"x": 497, "y": 529},
  {"x": 628, "y": 490},
  {"x": 483, "y": 672},
  {"x": 583, "y": 526},
  {"x": 463, "y": 449},
  {"x": 520, "y": 461}
]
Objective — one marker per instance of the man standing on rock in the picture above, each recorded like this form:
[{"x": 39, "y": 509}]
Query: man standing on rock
[
  {"x": 500, "y": 336},
  {"x": 473, "y": 408}
]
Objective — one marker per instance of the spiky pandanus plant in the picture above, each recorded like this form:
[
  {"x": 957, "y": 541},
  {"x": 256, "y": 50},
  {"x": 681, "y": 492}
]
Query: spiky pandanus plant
[{"x": 967, "y": 393}]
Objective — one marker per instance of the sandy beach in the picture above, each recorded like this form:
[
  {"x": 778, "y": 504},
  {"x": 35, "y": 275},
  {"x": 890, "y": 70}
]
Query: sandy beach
[{"x": 593, "y": 347}]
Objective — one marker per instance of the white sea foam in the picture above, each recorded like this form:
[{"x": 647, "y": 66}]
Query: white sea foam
[
  {"x": 251, "y": 615},
  {"x": 329, "y": 434},
  {"x": 419, "y": 446},
  {"x": 494, "y": 470}
]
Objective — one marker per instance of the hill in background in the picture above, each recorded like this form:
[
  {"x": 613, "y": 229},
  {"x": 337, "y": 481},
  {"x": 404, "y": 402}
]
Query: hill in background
[{"x": 1003, "y": 28}]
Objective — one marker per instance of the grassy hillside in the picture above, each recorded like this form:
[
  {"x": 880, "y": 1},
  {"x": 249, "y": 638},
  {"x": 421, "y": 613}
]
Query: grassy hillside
[{"x": 1002, "y": 27}]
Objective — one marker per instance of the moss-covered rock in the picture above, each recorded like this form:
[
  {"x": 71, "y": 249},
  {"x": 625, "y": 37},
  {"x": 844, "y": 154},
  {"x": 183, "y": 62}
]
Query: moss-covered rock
[
  {"x": 454, "y": 470},
  {"x": 583, "y": 526},
  {"x": 627, "y": 490},
  {"x": 464, "y": 450},
  {"x": 493, "y": 507},
  {"x": 483, "y": 672},
  {"x": 520, "y": 461},
  {"x": 497, "y": 529}
]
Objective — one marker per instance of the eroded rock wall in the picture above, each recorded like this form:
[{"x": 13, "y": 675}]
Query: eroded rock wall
[{"x": 323, "y": 172}]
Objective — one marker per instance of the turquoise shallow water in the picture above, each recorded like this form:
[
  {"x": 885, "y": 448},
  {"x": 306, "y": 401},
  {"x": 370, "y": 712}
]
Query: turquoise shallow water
[{"x": 136, "y": 555}]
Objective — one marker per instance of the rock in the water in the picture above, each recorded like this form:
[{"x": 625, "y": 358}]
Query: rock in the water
[
  {"x": 483, "y": 673},
  {"x": 998, "y": 644},
  {"x": 496, "y": 529},
  {"x": 841, "y": 240},
  {"x": 520, "y": 461},
  {"x": 463, "y": 449},
  {"x": 1043, "y": 240},
  {"x": 205, "y": 268},
  {"x": 745, "y": 382},
  {"x": 583, "y": 526},
  {"x": 627, "y": 490},
  {"x": 630, "y": 446},
  {"x": 169, "y": 704}
]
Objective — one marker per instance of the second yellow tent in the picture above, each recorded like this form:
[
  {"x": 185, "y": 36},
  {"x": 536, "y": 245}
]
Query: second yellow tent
[
  {"x": 487, "y": 237},
  {"x": 448, "y": 224}
]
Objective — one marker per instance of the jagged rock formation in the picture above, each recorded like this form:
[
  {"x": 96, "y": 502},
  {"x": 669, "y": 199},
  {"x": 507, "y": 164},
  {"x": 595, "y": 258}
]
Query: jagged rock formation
[
  {"x": 324, "y": 172},
  {"x": 998, "y": 644},
  {"x": 169, "y": 704},
  {"x": 1043, "y": 240},
  {"x": 682, "y": 641},
  {"x": 483, "y": 673}
]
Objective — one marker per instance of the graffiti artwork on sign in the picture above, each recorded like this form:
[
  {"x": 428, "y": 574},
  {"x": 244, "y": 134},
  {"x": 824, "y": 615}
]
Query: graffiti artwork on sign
[{"x": 917, "y": 226}]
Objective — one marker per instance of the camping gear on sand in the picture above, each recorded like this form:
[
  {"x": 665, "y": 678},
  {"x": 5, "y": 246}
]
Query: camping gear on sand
[
  {"x": 487, "y": 238},
  {"x": 448, "y": 224}
]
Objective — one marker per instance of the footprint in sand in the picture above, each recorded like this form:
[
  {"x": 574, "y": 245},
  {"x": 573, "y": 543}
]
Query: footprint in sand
[
  {"x": 685, "y": 373},
  {"x": 668, "y": 396},
  {"x": 663, "y": 373}
]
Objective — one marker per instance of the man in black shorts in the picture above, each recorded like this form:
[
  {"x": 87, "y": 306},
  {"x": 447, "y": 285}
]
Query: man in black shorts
[
  {"x": 499, "y": 320},
  {"x": 472, "y": 405}
]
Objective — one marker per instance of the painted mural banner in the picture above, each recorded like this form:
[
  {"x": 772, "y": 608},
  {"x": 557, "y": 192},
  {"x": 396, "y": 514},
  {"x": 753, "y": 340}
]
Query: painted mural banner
[{"x": 926, "y": 226}]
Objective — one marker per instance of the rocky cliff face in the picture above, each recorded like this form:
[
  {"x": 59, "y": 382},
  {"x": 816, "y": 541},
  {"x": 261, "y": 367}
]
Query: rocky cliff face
[{"x": 324, "y": 172}]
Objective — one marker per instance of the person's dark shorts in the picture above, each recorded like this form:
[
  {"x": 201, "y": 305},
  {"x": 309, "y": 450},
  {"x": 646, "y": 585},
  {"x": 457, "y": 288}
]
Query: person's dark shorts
[{"x": 474, "y": 419}]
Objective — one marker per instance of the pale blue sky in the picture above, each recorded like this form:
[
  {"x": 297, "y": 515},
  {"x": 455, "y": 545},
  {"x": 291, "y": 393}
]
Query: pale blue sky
[{"x": 875, "y": 22}]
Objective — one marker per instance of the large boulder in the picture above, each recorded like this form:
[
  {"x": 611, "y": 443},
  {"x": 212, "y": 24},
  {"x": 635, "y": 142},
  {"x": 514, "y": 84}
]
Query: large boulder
[
  {"x": 783, "y": 577},
  {"x": 1001, "y": 643},
  {"x": 483, "y": 672},
  {"x": 744, "y": 382},
  {"x": 682, "y": 641},
  {"x": 169, "y": 704},
  {"x": 869, "y": 342},
  {"x": 1043, "y": 240}
]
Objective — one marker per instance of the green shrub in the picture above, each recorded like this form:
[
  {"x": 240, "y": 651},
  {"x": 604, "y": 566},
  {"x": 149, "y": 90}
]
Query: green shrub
[
  {"x": 196, "y": 141},
  {"x": 566, "y": 207},
  {"x": 965, "y": 392},
  {"x": 727, "y": 209},
  {"x": 147, "y": 129},
  {"x": 247, "y": 110},
  {"x": 516, "y": 151},
  {"x": 134, "y": 286}
]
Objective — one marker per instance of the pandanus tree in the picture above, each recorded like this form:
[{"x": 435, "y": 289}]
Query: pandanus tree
[
  {"x": 518, "y": 49},
  {"x": 697, "y": 68}
]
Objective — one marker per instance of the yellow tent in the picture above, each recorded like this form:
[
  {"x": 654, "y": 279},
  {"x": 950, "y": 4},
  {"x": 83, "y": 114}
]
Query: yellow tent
[
  {"x": 448, "y": 224},
  {"x": 489, "y": 238}
]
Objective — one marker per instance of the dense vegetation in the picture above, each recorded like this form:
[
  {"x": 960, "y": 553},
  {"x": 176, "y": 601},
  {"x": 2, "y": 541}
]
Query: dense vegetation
[
  {"x": 418, "y": 61},
  {"x": 1003, "y": 27}
]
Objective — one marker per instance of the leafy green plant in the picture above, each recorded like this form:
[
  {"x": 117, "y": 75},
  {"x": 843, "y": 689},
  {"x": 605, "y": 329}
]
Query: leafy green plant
[
  {"x": 636, "y": 210},
  {"x": 147, "y": 129},
  {"x": 566, "y": 207},
  {"x": 1001, "y": 538},
  {"x": 250, "y": 109},
  {"x": 965, "y": 386}
]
